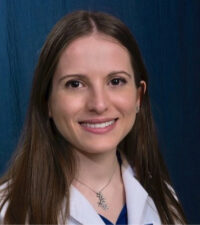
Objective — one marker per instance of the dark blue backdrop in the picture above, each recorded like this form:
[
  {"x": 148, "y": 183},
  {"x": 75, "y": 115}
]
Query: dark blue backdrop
[{"x": 168, "y": 33}]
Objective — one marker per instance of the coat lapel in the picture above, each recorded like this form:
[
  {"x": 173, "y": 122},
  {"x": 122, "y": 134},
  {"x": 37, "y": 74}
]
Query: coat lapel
[
  {"x": 136, "y": 196},
  {"x": 137, "y": 201},
  {"x": 81, "y": 210}
]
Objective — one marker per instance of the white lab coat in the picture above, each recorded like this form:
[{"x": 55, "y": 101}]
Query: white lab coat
[{"x": 141, "y": 208}]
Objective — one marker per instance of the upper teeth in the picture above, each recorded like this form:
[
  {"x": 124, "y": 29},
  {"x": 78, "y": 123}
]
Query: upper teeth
[{"x": 98, "y": 125}]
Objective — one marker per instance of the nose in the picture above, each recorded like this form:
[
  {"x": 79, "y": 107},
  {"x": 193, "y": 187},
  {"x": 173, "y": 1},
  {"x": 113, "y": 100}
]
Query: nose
[{"x": 98, "y": 101}]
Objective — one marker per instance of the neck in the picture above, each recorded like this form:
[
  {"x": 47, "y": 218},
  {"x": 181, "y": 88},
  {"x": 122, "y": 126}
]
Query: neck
[{"x": 96, "y": 169}]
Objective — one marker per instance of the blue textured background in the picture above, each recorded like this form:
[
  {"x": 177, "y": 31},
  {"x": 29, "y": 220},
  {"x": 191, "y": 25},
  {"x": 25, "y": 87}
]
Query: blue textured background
[{"x": 168, "y": 33}]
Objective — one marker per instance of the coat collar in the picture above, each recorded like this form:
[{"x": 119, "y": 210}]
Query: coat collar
[
  {"x": 136, "y": 195},
  {"x": 83, "y": 212}
]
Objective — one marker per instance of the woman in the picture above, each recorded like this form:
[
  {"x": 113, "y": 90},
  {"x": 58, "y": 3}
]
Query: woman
[{"x": 89, "y": 153}]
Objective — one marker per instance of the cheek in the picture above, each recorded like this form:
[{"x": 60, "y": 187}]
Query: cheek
[
  {"x": 65, "y": 107},
  {"x": 126, "y": 103}
]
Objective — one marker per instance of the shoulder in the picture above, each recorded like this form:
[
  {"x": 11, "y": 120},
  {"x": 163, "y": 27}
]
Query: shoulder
[
  {"x": 151, "y": 211},
  {"x": 3, "y": 204},
  {"x": 141, "y": 207}
]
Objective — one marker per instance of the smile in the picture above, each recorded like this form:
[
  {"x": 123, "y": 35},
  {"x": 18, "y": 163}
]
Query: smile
[{"x": 98, "y": 127}]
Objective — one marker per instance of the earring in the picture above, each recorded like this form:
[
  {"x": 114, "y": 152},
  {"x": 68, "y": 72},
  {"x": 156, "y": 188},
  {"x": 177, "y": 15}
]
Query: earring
[{"x": 137, "y": 109}]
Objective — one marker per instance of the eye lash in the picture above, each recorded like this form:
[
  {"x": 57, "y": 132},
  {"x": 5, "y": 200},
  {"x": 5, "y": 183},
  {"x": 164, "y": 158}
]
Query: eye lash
[
  {"x": 121, "y": 80},
  {"x": 69, "y": 83}
]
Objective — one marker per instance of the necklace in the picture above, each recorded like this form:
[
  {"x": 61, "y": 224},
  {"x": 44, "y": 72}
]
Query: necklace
[{"x": 101, "y": 199}]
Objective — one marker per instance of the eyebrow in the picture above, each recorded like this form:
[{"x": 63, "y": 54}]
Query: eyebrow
[{"x": 84, "y": 76}]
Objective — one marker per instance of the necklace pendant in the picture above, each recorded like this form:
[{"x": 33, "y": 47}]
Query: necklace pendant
[{"x": 102, "y": 201}]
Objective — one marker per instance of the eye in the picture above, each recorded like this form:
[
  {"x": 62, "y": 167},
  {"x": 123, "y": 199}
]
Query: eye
[
  {"x": 118, "y": 81},
  {"x": 74, "y": 84}
]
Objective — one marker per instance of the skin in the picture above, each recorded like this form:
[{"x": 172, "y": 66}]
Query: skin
[
  {"x": 85, "y": 88},
  {"x": 94, "y": 57}
]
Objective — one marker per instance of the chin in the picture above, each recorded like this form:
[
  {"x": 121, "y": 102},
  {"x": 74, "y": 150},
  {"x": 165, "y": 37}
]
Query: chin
[{"x": 95, "y": 149}]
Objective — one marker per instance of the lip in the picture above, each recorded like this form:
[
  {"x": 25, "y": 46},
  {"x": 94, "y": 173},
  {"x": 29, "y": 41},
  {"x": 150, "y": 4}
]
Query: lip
[{"x": 98, "y": 130}]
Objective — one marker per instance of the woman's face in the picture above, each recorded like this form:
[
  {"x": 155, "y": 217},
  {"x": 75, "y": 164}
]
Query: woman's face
[{"x": 94, "y": 97}]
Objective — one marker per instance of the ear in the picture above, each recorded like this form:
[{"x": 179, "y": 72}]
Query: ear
[
  {"x": 49, "y": 111},
  {"x": 140, "y": 92},
  {"x": 143, "y": 86}
]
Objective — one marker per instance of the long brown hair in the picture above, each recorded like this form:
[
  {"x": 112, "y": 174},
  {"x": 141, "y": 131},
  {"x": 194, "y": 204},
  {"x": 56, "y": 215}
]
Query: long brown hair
[{"x": 44, "y": 166}]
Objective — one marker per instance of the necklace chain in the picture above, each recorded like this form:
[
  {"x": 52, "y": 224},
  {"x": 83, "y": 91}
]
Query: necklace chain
[{"x": 102, "y": 202}]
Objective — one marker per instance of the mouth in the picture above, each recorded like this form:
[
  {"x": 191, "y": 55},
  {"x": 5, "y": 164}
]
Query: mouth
[{"x": 98, "y": 126}]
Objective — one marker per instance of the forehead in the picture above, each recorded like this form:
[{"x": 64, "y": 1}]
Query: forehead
[
  {"x": 97, "y": 39},
  {"x": 95, "y": 51}
]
